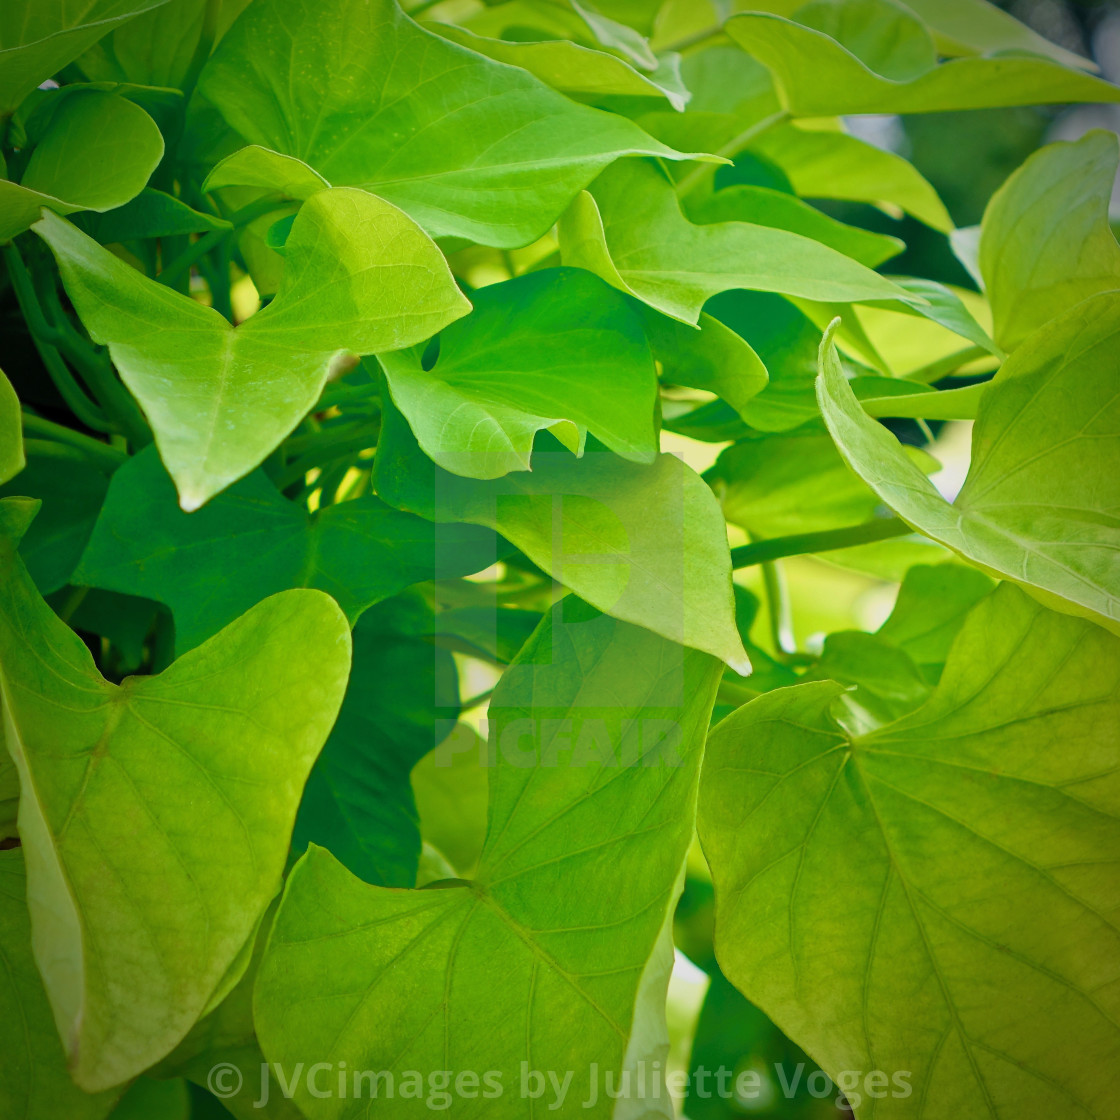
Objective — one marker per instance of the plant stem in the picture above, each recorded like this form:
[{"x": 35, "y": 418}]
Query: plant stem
[
  {"x": 322, "y": 455},
  {"x": 777, "y": 598},
  {"x": 111, "y": 457},
  {"x": 801, "y": 544},
  {"x": 733, "y": 146},
  {"x": 173, "y": 272}
]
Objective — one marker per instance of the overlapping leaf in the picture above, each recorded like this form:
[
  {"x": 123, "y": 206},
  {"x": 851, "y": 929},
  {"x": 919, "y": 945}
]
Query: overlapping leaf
[
  {"x": 38, "y": 40},
  {"x": 402, "y": 699},
  {"x": 251, "y": 541},
  {"x": 96, "y": 154},
  {"x": 1039, "y": 505},
  {"x": 629, "y": 229},
  {"x": 571, "y": 903},
  {"x": 155, "y": 815},
  {"x": 467, "y": 146},
  {"x": 1046, "y": 243},
  {"x": 12, "y": 459},
  {"x": 974, "y": 844},
  {"x": 557, "y": 350},
  {"x": 360, "y": 276},
  {"x": 817, "y": 76},
  {"x": 646, "y": 544}
]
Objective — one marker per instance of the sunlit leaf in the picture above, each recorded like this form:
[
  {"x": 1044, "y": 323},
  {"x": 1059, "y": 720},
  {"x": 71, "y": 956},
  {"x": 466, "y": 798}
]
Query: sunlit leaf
[
  {"x": 360, "y": 276},
  {"x": 1039, "y": 503},
  {"x": 570, "y": 906},
  {"x": 155, "y": 815},
  {"x": 974, "y": 843}
]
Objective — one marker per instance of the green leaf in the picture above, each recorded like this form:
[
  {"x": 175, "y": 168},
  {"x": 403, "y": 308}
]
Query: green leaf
[
  {"x": 33, "y": 1077},
  {"x": 71, "y": 499},
  {"x": 211, "y": 566},
  {"x": 38, "y": 40},
  {"x": 1038, "y": 506},
  {"x": 360, "y": 276},
  {"x": 713, "y": 358},
  {"x": 964, "y": 27},
  {"x": 570, "y": 907},
  {"x": 150, "y": 214},
  {"x": 467, "y": 146},
  {"x": 576, "y": 69},
  {"x": 254, "y": 166},
  {"x": 629, "y": 229},
  {"x": 829, "y": 164},
  {"x": 783, "y": 483},
  {"x": 147, "y": 1098},
  {"x": 97, "y": 153},
  {"x": 558, "y": 350},
  {"x": 932, "y": 604},
  {"x": 12, "y": 459},
  {"x": 402, "y": 699},
  {"x": 646, "y": 544},
  {"x": 155, "y": 814},
  {"x": 935, "y": 896},
  {"x": 818, "y": 77},
  {"x": 1046, "y": 243},
  {"x": 763, "y": 206}
]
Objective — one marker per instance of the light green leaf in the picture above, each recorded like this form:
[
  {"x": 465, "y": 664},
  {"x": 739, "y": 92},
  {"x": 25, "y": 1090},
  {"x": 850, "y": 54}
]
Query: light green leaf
[
  {"x": 794, "y": 482},
  {"x": 158, "y": 47},
  {"x": 646, "y": 544},
  {"x": 96, "y": 154},
  {"x": 360, "y": 276},
  {"x": 1039, "y": 503},
  {"x": 469, "y": 147},
  {"x": 962, "y": 27},
  {"x": 931, "y": 607},
  {"x": 946, "y": 404},
  {"x": 577, "y": 69},
  {"x": 34, "y": 1081},
  {"x": 762, "y": 206},
  {"x": 629, "y": 229},
  {"x": 211, "y": 566},
  {"x": 935, "y": 898},
  {"x": 830, "y": 164},
  {"x": 254, "y": 166},
  {"x": 557, "y": 350},
  {"x": 713, "y": 358},
  {"x": 402, "y": 699},
  {"x": 882, "y": 34},
  {"x": 38, "y": 40},
  {"x": 570, "y": 904},
  {"x": 1046, "y": 243},
  {"x": 12, "y": 459},
  {"x": 817, "y": 77},
  {"x": 155, "y": 814}
]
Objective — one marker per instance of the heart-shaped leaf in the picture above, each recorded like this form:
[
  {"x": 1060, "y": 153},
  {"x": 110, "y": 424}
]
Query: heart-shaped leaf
[
  {"x": 155, "y": 814},
  {"x": 1039, "y": 504},
  {"x": 557, "y": 350},
  {"x": 589, "y": 822},
  {"x": 976, "y": 840},
  {"x": 629, "y": 229},
  {"x": 468, "y": 146},
  {"x": 360, "y": 277},
  {"x": 1046, "y": 243},
  {"x": 97, "y": 153},
  {"x": 250, "y": 542}
]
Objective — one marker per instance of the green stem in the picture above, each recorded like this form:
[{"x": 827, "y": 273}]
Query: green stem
[
  {"x": 801, "y": 544},
  {"x": 110, "y": 457},
  {"x": 733, "y": 146},
  {"x": 175, "y": 269},
  {"x": 777, "y": 598}
]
